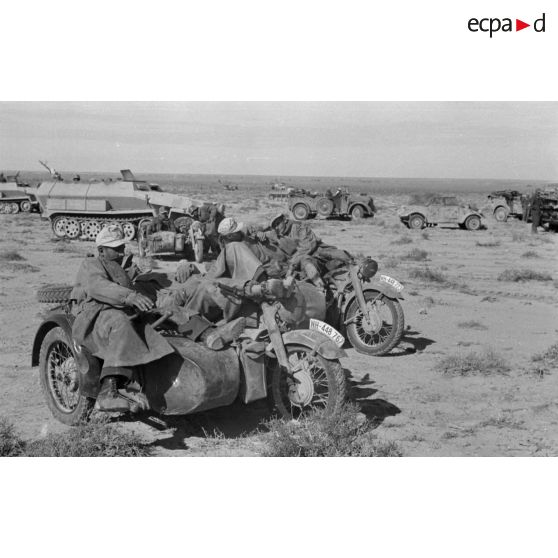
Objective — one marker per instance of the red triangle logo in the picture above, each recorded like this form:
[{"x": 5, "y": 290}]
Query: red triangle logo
[{"x": 519, "y": 25}]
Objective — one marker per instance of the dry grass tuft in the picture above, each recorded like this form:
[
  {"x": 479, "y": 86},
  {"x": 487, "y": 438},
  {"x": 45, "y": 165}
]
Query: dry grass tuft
[
  {"x": 428, "y": 275},
  {"x": 472, "y": 324},
  {"x": 343, "y": 434},
  {"x": 416, "y": 255},
  {"x": 10, "y": 443},
  {"x": 544, "y": 363},
  {"x": 405, "y": 239},
  {"x": 488, "y": 243},
  {"x": 530, "y": 254},
  {"x": 20, "y": 267},
  {"x": 516, "y": 275},
  {"x": 11, "y": 256},
  {"x": 487, "y": 363}
]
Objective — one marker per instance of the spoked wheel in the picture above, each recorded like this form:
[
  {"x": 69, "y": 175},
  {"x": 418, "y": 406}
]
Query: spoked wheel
[
  {"x": 25, "y": 206},
  {"x": 59, "y": 227},
  {"x": 473, "y": 223},
  {"x": 3, "y": 207},
  {"x": 416, "y": 221},
  {"x": 60, "y": 379},
  {"x": 500, "y": 214},
  {"x": 317, "y": 384},
  {"x": 301, "y": 212},
  {"x": 14, "y": 208},
  {"x": 385, "y": 327},
  {"x": 129, "y": 231},
  {"x": 72, "y": 228},
  {"x": 90, "y": 229}
]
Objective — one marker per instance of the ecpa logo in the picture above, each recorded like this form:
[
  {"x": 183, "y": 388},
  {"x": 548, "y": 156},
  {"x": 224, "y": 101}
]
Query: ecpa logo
[{"x": 494, "y": 24}]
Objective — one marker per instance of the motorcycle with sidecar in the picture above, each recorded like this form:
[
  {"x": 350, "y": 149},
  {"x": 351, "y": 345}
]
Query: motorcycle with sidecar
[{"x": 297, "y": 369}]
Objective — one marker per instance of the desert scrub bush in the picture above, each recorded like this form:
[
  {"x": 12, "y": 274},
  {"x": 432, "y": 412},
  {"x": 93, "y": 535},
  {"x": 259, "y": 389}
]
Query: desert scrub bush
[
  {"x": 530, "y": 254},
  {"x": 416, "y": 255},
  {"x": 20, "y": 267},
  {"x": 11, "y": 256},
  {"x": 343, "y": 434},
  {"x": 472, "y": 324},
  {"x": 405, "y": 239},
  {"x": 486, "y": 363},
  {"x": 10, "y": 443},
  {"x": 427, "y": 275},
  {"x": 516, "y": 275},
  {"x": 544, "y": 363},
  {"x": 488, "y": 243},
  {"x": 89, "y": 440}
]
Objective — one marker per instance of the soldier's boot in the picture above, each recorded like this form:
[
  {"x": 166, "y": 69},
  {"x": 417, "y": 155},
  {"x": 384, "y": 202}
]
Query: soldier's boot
[
  {"x": 314, "y": 275},
  {"x": 109, "y": 400},
  {"x": 217, "y": 338}
]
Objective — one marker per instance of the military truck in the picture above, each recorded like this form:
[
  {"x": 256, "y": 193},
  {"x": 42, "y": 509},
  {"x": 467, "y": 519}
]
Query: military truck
[
  {"x": 441, "y": 210},
  {"x": 506, "y": 203},
  {"x": 326, "y": 204},
  {"x": 79, "y": 209},
  {"x": 16, "y": 196}
]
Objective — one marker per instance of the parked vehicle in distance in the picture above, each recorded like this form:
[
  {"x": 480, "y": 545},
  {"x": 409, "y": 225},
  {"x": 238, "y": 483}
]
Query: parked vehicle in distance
[
  {"x": 506, "y": 203},
  {"x": 305, "y": 205},
  {"x": 16, "y": 196},
  {"x": 441, "y": 210}
]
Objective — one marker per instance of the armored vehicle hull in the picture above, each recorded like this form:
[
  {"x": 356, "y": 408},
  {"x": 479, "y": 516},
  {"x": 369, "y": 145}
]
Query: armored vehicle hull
[
  {"x": 15, "y": 196},
  {"x": 79, "y": 210}
]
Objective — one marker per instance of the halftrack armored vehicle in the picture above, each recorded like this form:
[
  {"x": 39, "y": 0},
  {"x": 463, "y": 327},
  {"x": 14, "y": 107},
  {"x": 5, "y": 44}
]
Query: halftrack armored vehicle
[
  {"x": 305, "y": 205},
  {"x": 79, "y": 209},
  {"x": 441, "y": 210},
  {"x": 16, "y": 196},
  {"x": 506, "y": 203}
]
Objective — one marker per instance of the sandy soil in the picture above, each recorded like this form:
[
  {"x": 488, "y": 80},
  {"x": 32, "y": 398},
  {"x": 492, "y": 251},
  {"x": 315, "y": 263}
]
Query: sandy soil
[{"x": 426, "y": 412}]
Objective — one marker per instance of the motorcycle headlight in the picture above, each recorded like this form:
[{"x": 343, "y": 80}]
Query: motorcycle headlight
[{"x": 368, "y": 268}]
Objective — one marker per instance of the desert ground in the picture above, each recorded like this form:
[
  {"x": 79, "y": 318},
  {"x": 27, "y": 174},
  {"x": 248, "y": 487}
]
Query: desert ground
[{"x": 463, "y": 309}]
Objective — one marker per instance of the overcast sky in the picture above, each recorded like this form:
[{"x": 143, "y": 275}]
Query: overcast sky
[{"x": 376, "y": 139}]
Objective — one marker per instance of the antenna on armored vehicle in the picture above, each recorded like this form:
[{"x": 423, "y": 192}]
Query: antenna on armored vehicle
[{"x": 53, "y": 172}]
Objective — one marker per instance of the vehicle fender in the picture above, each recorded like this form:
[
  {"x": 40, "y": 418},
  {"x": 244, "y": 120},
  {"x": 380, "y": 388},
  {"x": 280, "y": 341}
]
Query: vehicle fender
[
  {"x": 57, "y": 318},
  {"x": 377, "y": 287},
  {"x": 314, "y": 340}
]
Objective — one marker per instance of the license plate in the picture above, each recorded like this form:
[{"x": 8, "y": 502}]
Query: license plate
[
  {"x": 392, "y": 282},
  {"x": 329, "y": 331}
]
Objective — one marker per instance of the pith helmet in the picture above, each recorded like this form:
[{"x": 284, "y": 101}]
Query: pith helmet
[
  {"x": 111, "y": 236},
  {"x": 229, "y": 225}
]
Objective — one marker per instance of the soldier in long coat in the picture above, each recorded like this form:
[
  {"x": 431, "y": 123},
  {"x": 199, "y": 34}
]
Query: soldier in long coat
[{"x": 106, "y": 300}]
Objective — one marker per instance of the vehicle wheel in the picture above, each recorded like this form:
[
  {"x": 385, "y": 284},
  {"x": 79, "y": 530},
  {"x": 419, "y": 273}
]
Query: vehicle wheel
[
  {"x": 90, "y": 229},
  {"x": 59, "y": 227},
  {"x": 500, "y": 214},
  {"x": 385, "y": 334},
  {"x": 25, "y": 206},
  {"x": 14, "y": 208},
  {"x": 357, "y": 212},
  {"x": 416, "y": 221},
  {"x": 73, "y": 228},
  {"x": 324, "y": 207},
  {"x": 319, "y": 384},
  {"x": 198, "y": 250},
  {"x": 129, "y": 231},
  {"x": 54, "y": 293},
  {"x": 472, "y": 223},
  {"x": 301, "y": 212},
  {"x": 60, "y": 378}
]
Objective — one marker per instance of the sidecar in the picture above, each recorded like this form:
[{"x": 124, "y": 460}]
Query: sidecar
[{"x": 193, "y": 378}]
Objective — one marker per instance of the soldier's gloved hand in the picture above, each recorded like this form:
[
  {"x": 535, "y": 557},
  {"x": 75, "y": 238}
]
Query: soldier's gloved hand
[{"x": 139, "y": 301}]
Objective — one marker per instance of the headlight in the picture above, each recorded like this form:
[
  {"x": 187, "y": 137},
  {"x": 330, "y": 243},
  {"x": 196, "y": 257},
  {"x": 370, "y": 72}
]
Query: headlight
[{"x": 368, "y": 268}]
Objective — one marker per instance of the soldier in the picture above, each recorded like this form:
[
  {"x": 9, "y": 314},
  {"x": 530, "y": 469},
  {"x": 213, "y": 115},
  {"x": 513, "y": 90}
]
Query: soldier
[
  {"x": 2, "y": 177},
  {"x": 106, "y": 299},
  {"x": 536, "y": 213}
]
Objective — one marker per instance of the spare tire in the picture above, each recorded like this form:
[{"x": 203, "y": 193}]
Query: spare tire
[
  {"x": 324, "y": 207},
  {"x": 55, "y": 293}
]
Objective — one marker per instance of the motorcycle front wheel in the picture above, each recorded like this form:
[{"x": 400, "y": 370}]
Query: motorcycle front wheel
[
  {"x": 380, "y": 339},
  {"x": 316, "y": 384},
  {"x": 59, "y": 374}
]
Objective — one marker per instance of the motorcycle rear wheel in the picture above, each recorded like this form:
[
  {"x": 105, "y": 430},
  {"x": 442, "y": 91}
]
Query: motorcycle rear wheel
[
  {"x": 59, "y": 375},
  {"x": 320, "y": 384},
  {"x": 389, "y": 335}
]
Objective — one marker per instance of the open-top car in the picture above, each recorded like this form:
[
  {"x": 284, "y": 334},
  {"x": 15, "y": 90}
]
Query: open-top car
[{"x": 441, "y": 210}]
